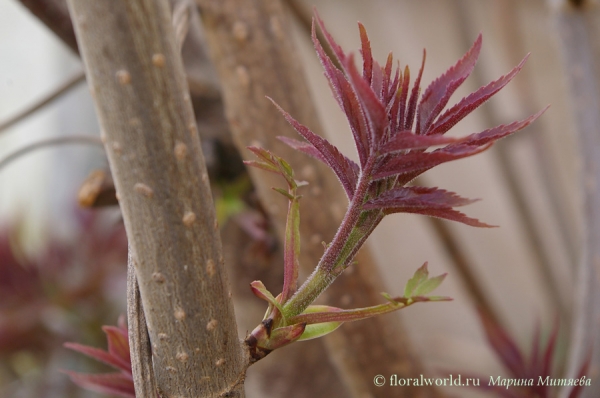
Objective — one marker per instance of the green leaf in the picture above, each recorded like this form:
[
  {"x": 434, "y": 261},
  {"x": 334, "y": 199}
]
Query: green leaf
[
  {"x": 419, "y": 277},
  {"x": 319, "y": 330},
  {"x": 429, "y": 285},
  {"x": 274, "y": 164},
  {"x": 285, "y": 167},
  {"x": 284, "y": 193},
  {"x": 261, "y": 165}
]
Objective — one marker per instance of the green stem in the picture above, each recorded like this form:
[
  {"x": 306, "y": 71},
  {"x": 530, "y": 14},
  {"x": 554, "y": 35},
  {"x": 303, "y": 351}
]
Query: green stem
[
  {"x": 312, "y": 288},
  {"x": 338, "y": 254}
]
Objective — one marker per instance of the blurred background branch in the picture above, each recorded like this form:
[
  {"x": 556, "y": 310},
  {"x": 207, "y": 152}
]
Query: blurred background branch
[{"x": 577, "y": 30}]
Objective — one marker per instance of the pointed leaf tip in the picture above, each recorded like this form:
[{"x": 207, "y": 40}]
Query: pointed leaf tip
[
  {"x": 418, "y": 277},
  {"x": 366, "y": 53},
  {"x": 337, "y": 50},
  {"x": 420, "y": 284},
  {"x": 471, "y": 102},
  {"x": 504, "y": 346},
  {"x": 345, "y": 169},
  {"x": 259, "y": 290},
  {"x": 429, "y": 285},
  {"x": 492, "y": 135},
  {"x": 437, "y": 95},
  {"x": 118, "y": 344}
]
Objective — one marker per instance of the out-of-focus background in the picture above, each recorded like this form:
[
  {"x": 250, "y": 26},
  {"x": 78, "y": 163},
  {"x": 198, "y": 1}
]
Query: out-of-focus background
[{"x": 529, "y": 185}]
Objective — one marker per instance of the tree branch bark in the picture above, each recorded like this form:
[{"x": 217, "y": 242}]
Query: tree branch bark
[
  {"x": 136, "y": 76},
  {"x": 577, "y": 33}
]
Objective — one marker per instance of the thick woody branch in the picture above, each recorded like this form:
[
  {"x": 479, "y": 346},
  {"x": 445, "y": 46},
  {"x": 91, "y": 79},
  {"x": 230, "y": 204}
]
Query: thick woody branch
[
  {"x": 578, "y": 32},
  {"x": 136, "y": 76}
]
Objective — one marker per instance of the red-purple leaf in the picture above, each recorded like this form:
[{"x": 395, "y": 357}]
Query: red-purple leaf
[
  {"x": 438, "y": 93},
  {"x": 309, "y": 149},
  {"x": 303, "y": 146},
  {"x": 417, "y": 198},
  {"x": 504, "y": 346},
  {"x": 366, "y": 53},
  {"x": 260, "y": 290},
  {"x": 387, "y": 76},
  {"x": 110, "y": 383},
  {"x": 548, "y": 357},
  {"x": 347, "y": 100},
  {"x": 471, "y": 102},
  {"x": 494, "y": 134},
  {"x": 414, "y": 97},
  {"x": 408, "y": 140},
  {"x": 445, "y": 213},
  {"x": 118, "y": 343},
  {"x": 341, "y": 165},
  {"x": 390, "y": 99},
  {"x": 399, "y": 111},
  {"x": 377, "y": 81},
  {"x": 372, "y": 106},
  {"x": 101, "y": 355},
  {"x": 417, "y": 162},
  {"x": 337, "y": 50}
]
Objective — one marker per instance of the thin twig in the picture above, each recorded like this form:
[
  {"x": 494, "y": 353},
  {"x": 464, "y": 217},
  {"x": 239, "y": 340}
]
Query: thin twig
[
  {"x": 49, "y": 142},
  {"x": 36, "y": 106}
]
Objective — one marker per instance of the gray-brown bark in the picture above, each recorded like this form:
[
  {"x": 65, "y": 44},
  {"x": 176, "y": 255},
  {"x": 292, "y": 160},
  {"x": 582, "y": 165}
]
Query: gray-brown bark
[
  {"x": 577, "y": 28},
  {"x": 136, "y": 76},
  {"x": 253, "y": 52}
]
